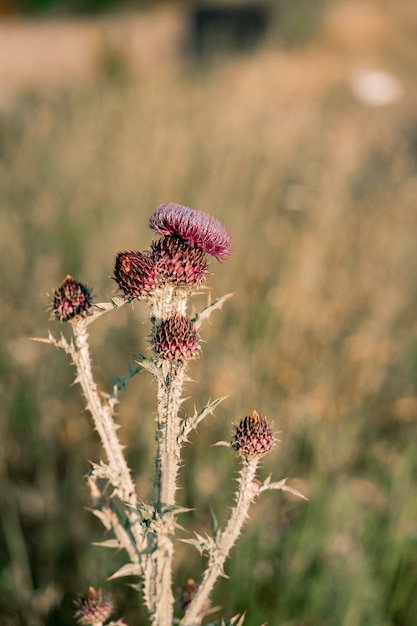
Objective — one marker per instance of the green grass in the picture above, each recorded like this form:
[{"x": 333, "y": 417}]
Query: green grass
[{"x": 319, "y": 195}]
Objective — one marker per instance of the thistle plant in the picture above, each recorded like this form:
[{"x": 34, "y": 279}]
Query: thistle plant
[{"x": 163, "y": 278}]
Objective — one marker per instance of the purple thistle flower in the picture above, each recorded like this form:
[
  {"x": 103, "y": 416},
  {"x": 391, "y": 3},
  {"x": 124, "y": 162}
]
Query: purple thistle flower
[
  {"x": 198, "y": 230},
  {"x": 177, "y": 263}
]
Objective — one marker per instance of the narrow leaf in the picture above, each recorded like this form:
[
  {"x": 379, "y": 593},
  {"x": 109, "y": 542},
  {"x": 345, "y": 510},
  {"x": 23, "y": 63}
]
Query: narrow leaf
[
  {"x": 109, "y": 543},
  {"x": 136, "y": 586},
  {"x": 119, "y": 383},
  {"x": 102, "y": 517},
  {"x": 207, "y": 310},
  {"x": 43, "y": 340},
  {"x": 203, "y": 544},
  {"x": 282, "y": 486},
  {"x": 104, "y": 307},
  {"x": 191, "y": 423},
  {"x": 294, "y": 492},
  {"x": 130, "y": 569},
  {"x": 176, "y": 510},
  {"x": 214, "y": 525},
  {"x": 195, "y": 543},
  {"x": 151, "y": 366},
  {"x": 238, "y": 620}
]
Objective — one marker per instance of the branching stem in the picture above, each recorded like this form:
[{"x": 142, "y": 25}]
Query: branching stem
[
  {"x": 102, "y": 414},
  {"x": 225, "y": 540}
]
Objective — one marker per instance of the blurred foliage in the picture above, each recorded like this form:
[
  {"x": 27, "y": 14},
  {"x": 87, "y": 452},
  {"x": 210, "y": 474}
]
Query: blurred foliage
[
  {"x": 79, "y": 7},
  {"x": 295, "y": 23},
  {"x": 318, "y": 192}
]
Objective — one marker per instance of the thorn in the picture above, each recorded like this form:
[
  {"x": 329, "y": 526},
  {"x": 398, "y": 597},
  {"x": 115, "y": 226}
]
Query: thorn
[{"x": 41, "y": 339}]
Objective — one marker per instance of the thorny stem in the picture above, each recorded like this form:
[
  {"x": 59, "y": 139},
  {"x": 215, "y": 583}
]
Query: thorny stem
[
  {"x": 158, "y": 582},
  {"x": 225, "y": 540},
  {"x": 104, "y": 511},
  {"x": 168, "y": 429},
  {"x": 166, "y": 301},
  {"x": 167, "y": 461},
  {"x": 166, "y": 472},
  {"x": 102, "y": 414}
]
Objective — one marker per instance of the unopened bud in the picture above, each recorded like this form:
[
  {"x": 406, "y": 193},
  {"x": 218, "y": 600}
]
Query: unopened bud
[
  {"x": 135, "y": 273},
  {"x": 176, "y": 339},
  {"x": 70, "y": 300},
  {"x": 253, "y": 436},
  {"x": 187, "y": 595},
  {"x": 93, "y": 607}
]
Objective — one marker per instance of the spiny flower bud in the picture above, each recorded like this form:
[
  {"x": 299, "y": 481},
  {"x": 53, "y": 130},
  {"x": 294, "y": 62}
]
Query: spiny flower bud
[
  {"x": 70, "y": 300},
  {"x": 93, "y": 607},
  {"x": 198, "y": 230},
  {"x": 176, "y": 339},
  {"x": 179, "y": 264},
  {"x": 135, "y": 273},
  {"x": 253, "y": 436},
  {"x": 187, "y": 594}
]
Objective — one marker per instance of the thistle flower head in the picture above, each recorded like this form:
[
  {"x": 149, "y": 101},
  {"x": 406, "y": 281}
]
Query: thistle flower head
[
  {"x": 70, "y": 300},
  {"x": 253, "y": 436},
  {"x": 93, "y": 607},
  {"x": 176, "y": 339},
  {"x": 135, "y": 273},
  {"x": 177, "y": 263},
  {"x": 198, "y": 230}
]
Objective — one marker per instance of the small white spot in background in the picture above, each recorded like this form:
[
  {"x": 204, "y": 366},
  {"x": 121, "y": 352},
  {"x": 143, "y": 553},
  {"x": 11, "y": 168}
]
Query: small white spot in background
[{"x": 376, "y": 87}]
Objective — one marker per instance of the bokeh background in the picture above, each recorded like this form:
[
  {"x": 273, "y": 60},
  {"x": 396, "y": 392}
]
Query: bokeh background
[{"x": 297, "y": 128}]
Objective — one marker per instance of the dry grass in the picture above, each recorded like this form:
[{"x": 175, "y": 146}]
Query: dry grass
[{"x": 319, "y": 193}]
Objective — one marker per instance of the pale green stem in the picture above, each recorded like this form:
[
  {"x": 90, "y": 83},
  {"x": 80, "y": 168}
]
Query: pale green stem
[
  {"x": 167, "y": 464},
  {"x": 102, "y": 414},
  {"x": 163, "y": 598},
  {"x": 224, "y": 543},
  {"x": 168, "y": 428},
  {"x": 165, "y": 303}
]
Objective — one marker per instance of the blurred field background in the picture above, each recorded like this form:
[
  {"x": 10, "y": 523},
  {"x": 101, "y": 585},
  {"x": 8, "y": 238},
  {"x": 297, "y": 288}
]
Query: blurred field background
[{"x": 101, "y": 121}]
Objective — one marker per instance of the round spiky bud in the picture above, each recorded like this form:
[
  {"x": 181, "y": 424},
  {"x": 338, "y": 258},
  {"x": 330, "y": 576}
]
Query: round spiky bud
[
  {"x": 93, "y": 607},
  {"x": 135, "y": 273},
  {"x": 178, "y": 263},
  {"x": 253, "y": 436},
  {"x": 198, "y": 230},
  {"x": 70, "y": 300},
  {"x": 176, "y": 339}
]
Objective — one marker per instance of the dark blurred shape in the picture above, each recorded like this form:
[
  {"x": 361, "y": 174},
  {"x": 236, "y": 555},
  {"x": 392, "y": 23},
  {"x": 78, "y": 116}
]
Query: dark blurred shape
[
  {"x": 76, "y": 7},
  {"x": 227, "y": 27},
  {"x": 9, "y": 8}
]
